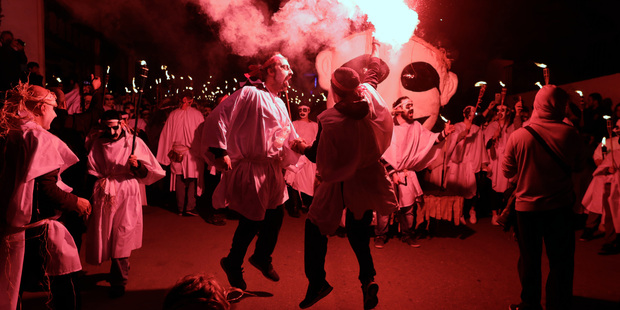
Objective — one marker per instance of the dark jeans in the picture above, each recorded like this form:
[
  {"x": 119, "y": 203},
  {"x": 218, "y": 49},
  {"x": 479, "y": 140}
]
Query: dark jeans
[
  {"x": 186, "y": 193},
  {"x": 315, "y": 249},
  {"x": 555, "y": 228},
  {"x": 119, "y": 271},
  {"x": 267, "y": 231}
]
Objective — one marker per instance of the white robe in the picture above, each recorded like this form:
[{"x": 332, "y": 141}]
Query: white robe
[
  {"x": 42, "y": 153},
  {"x": 498, "y": 180},
  {"x": 115, "y": 225},
  {"x": 348, "y": 162},
  {"x": 73, "y": 101},
  {"x": 410, "y": 151},
  {"x": 593, "y": 199},
  {"x": 464, "y": 160},
  {"x": 254, "y": 127},
  {"x": 178, "y": 133},
  {"x": 301, "y": 175}
]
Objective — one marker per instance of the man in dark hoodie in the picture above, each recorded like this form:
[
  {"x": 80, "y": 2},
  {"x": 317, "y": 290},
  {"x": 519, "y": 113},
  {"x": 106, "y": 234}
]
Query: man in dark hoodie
[
  {"x": 544, "y": 194},
  {"x": 352, "y": 136}
]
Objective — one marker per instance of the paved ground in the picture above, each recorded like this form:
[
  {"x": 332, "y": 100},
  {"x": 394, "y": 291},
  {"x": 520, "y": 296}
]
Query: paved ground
[{"x": 471, "y": 267}]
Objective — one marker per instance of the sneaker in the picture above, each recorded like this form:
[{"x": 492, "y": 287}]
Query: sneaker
[
  {"x": 370, "y": 291},
  {"x": 472, "y": 216},
  {"x": 610, "y": 249},
  {"x": 380, "y": 242},
  {"x": 587, "y": 235},
  {"x": 494, "y": 220},
  {"x": 215, "y": 220},
  {"x": 266, "y": 269},
  {"x": 314, "y": 294},
  {"x": 116, "y": 291},
  {"x": 190, "y": 213},
  {"x": 410, "y": 241},
  {"x": 235, "y": 276}
]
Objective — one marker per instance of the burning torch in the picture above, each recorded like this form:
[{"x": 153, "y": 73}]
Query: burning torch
[
  {"x": 504, "y": 89},
  {"x": 545, "y": 71},
  {"x": 581, "y": 102},
  {"x": 483, "y": 87}
]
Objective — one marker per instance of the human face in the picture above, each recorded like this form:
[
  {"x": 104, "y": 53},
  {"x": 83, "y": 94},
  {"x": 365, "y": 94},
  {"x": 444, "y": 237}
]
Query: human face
[
  {"x": 129, "y": 110},
  {"x": 112, "y": 129},
  {"x": 502, "y": 112},
  {"x": 282, "y": 74},
  {"x": 87, "y": 100},
  {"x": 304, "y": 112},
  {"x": 407, "y": 108},
  {"x": 47, "y": 113},
  {"x": 108, "y": 102},
  {"x": 186, "y": 102}
]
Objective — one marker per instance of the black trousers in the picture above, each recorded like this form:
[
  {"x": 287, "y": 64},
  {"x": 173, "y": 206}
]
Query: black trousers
[
  {"x": 315, "y": 249},
  {"x": 555, "y": 228},
  {"x": 267, "y": 231}
]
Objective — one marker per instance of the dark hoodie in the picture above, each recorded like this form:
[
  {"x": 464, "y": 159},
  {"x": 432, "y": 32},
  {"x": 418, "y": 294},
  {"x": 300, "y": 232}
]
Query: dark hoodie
[{"x": 542, "y": 184}]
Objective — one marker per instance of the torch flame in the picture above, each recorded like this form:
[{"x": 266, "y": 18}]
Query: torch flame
[
  {"x": 579, "y": 92},
  {"x": 540, "y": 65},
  {"x": 538, "y": 84},
  {"x": 394, "y": 21},
  {"x": 143, "y": 62},
  {"x": 478, "y": 84},
  {"x": 502, "y": 84}
]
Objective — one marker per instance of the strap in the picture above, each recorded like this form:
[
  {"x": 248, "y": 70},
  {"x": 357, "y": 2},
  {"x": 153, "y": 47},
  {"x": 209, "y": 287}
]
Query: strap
[{"x": 545, "y": 146}]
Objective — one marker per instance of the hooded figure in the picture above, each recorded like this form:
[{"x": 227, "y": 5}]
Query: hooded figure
[
  {"x": 544, "y": 198},
  {"x": 352, "y": 136}
]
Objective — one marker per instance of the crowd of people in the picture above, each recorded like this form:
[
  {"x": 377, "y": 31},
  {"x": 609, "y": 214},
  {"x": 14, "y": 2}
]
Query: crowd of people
[{"x": 364, "y": 162}]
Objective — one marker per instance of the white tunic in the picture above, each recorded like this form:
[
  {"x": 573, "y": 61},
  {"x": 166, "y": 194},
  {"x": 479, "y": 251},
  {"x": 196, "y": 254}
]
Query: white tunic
[
  {"x": 593, "y": 199},
  {"x": 178, "y": 133},
  {"x": 498, "y": 180},
  {"x": 42, "y": 153},
  {"x": 301, "y": 175},
  {"x": 410, "y": 151},
  {"x": 464, "y": 160},
  {"x": 348, "y": 162},
  {"x": 254, "y": 127},
  {"x": 115, "y": 225}
]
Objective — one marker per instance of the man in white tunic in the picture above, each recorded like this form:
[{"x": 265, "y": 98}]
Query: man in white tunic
[
  {"x": 495, "y": 137},
  {"x": 352, "y": 136},
  {"x": 411, "y": 150},
  {"x": 174, "y": 149},
  {"x": 249, "y": 135},
  {"x": 603, "y": 194},
  {"x": 32, "y": 160},
  {"x": 301, "y": 176},
  {"x": 467, "y": 156},
  {"x": 115, "y": 227}
]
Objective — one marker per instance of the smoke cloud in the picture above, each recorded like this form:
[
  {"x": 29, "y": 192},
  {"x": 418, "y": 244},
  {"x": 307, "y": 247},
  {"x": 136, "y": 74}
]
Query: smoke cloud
[{"x": 202, "y": 34}]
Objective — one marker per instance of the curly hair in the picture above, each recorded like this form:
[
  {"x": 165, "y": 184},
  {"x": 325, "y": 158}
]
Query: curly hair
[
  {"x": 23, "y": 103},
  {"x": 196, "y": 289}
]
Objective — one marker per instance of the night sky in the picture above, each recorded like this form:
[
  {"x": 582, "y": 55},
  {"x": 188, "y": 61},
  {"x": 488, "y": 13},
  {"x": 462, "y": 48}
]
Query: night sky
[{"x": 576, "y": 39}]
